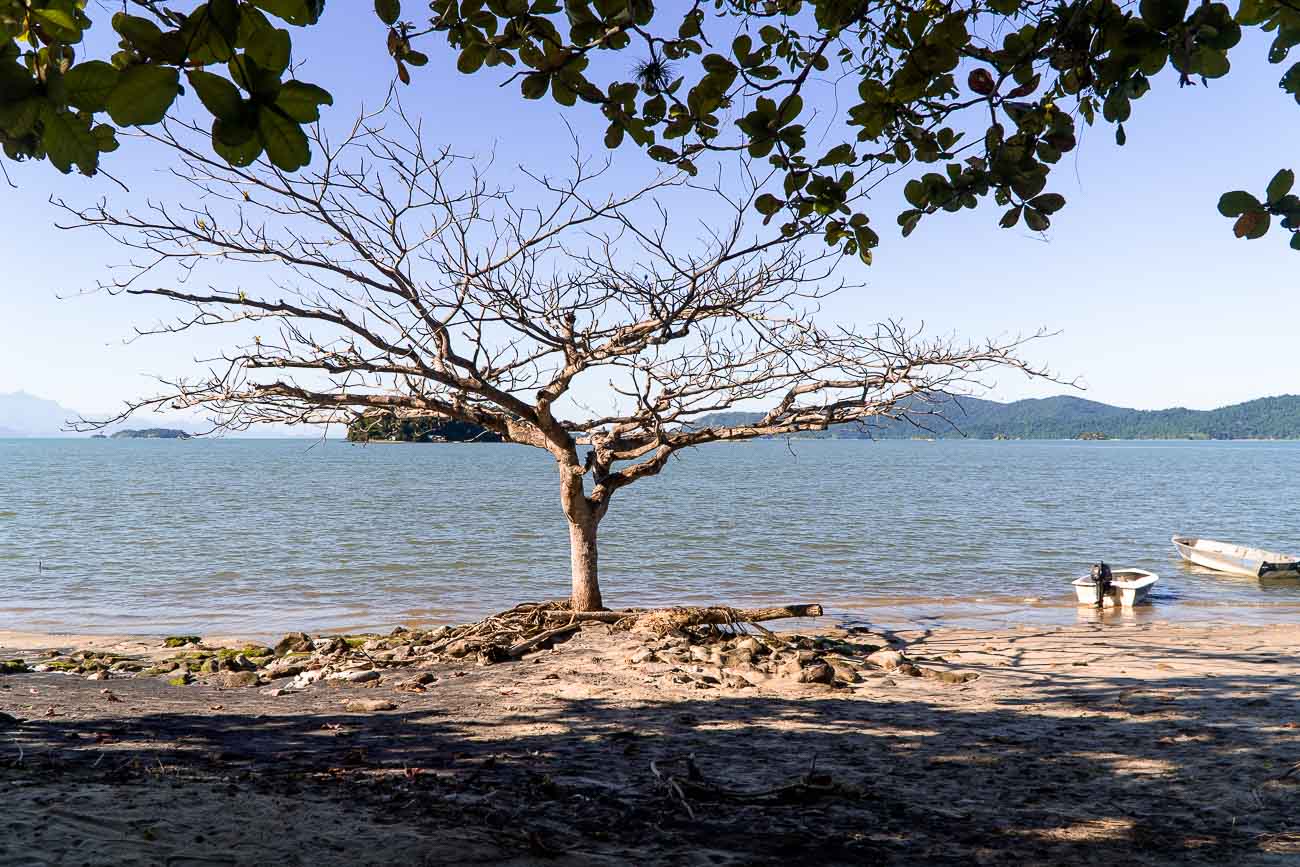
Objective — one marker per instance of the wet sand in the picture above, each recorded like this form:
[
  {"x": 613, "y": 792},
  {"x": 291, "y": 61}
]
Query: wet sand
[
  {"x": 1096, "y": 743},
  {"x": 998, "y": 612}
]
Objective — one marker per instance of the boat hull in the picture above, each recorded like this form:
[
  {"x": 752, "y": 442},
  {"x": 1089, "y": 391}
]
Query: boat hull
[
  {"x": 1237, "y": 559},
  {"x": 1129, "y": 587}
]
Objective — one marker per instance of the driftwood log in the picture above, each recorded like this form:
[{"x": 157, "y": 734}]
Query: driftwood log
[{"x": 519, "y": 648}]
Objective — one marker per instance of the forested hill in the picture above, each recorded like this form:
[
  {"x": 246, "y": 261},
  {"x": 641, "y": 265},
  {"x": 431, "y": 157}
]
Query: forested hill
[{"x": 1072, "y": 418}]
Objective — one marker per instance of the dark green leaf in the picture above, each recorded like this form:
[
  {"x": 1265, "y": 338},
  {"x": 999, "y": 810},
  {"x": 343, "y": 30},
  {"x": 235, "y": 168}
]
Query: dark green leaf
[
  {"x": 302, "y": 101},
  {"x": 388, "y": 11},
  {"x": 89, "y": 84},
  {"x": 1252, "y": 12},
  {"x": 69, "y": 141},
  {"x": 1211, "y": 62},
  {"x": 789, "y": 109},
  {"x": 217, "y": 94},
  {"x": 1036, "y": 220},
  {"x": 57, "y": 24},
  {"x": 237, "y": 145},
  {"x": 1163, "y": 14},
  {"x": 142, "y": 33},
  {"x": 915, "y": 193},
  {"x": 1236, "y": 203},
  {"x": 143, "y": 95},
  {"x": 235, "y": 133},
  {"x": 226, "y": 16},
  {"x": 908, "y": 220},
  {"x": 561, "y": 92},
  {"x": 534, "y": 85},
  {"x": 250, "y": 22},
  {"x": 1280, "y": 185},
  {"x": 105, "y": 138},
  {"x": 270, "y": 47},
  {"x": 248, "y": 74},
  {"x": 19, "y": 117},
  {"x": 285, "y": 142},
  {"x": 211, "y": 31},
  {"x": 741, "y": 47},
  {"x": 296, "y": 12},
  {"x": 838, "y": 155},
  {"x": 1291, "y": 81},
  {"x": 471, "y": 59},
  {"x": 1048, "y": 203},
  {"x": 1116, "y": 107}
]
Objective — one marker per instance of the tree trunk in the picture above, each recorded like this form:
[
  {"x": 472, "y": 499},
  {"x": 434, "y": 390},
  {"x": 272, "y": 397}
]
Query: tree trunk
[
  {"x": 582, "y": 554},
  {"x": 583, "y": 520}
]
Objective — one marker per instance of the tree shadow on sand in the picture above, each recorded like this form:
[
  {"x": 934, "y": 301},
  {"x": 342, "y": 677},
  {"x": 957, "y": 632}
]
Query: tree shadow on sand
[{"x": 1079, "y": 770}]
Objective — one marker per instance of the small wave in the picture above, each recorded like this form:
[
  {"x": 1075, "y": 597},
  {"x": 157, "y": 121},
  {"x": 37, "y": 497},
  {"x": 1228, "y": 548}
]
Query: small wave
[{"x": 8, "y": 514}]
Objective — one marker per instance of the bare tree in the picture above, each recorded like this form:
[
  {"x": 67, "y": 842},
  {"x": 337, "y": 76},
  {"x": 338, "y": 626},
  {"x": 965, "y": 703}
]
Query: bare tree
[{"x": 398, "y": 280}]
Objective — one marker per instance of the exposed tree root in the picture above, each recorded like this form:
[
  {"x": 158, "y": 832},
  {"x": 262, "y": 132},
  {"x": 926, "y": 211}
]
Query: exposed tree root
[
  {"x": 664, "y": 620},
  {"x": 536, "y": 625}
]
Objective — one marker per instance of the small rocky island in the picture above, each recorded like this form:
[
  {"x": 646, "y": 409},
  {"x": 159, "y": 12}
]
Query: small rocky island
[
  {"x": 153, "y": 433},
  {"x": 384, "y": 427}
]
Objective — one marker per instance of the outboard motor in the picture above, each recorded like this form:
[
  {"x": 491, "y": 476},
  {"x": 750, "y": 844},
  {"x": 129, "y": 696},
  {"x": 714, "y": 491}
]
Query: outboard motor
[{"x": 1101, "y": 580}]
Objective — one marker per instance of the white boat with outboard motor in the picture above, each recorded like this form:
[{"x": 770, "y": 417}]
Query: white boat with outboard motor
[{"x": 1124, "y": 588}]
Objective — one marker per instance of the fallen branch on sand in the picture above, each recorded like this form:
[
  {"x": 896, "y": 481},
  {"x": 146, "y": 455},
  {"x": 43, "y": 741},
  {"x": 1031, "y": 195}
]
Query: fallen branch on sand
[{"x": 808, "y": 787}]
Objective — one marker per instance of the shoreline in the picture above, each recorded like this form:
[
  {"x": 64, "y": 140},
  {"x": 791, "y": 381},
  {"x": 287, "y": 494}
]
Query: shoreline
[
  {"x": 986, "y": 611},
  {"x": 1134, "y": 744}
]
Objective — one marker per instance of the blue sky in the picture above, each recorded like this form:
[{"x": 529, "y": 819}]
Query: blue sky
[{"x": 1157, "y": 304}]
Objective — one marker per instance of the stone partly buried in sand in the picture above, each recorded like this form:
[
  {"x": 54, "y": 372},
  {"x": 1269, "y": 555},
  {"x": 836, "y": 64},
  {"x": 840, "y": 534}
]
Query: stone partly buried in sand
[
  {"x": 232, "y": 679},
  {"x": 697, "y": 657},
  {"x": 368, "y": 705}
]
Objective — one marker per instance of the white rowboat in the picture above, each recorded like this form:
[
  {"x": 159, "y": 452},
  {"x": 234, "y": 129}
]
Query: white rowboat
[
  {"x": 1128, "y": 587},
  {"x": 1237, "y": 559}
]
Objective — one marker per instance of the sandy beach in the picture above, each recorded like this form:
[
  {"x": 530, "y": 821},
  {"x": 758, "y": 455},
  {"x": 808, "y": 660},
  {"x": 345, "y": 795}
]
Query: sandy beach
[{"x": 1090, "y": 744}]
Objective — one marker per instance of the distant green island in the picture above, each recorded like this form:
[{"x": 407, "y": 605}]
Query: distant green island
[
  {"x": 387, "y": 428},
  {"x": 153, "y": 433},
  {"x": 1060, "y": 418},
  {"x": 1067, "y": 417}
]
